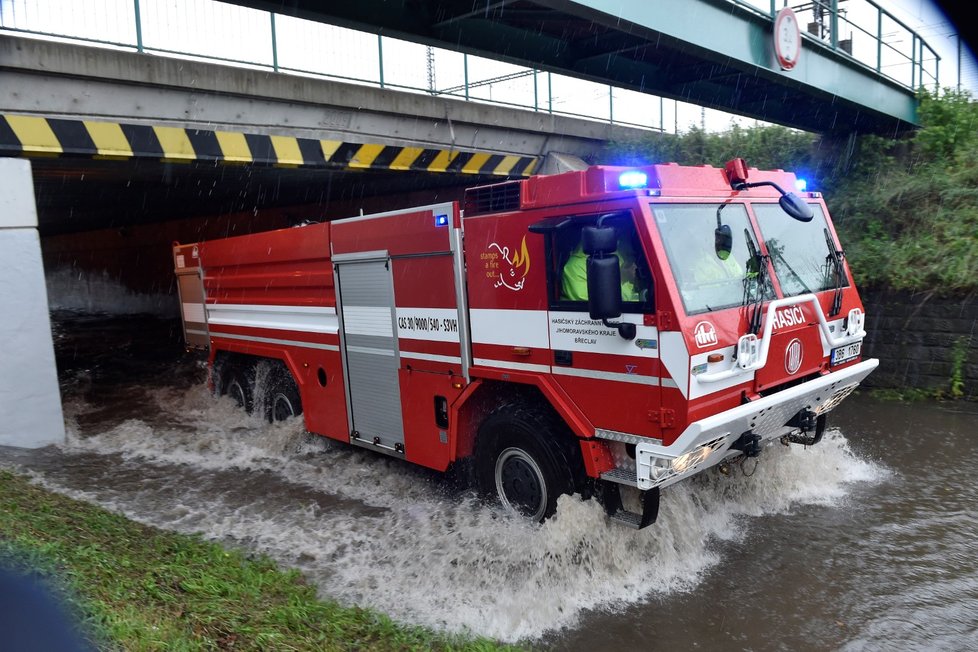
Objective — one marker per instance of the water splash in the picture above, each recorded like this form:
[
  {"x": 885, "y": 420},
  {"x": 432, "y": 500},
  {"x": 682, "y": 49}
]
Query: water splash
[
  {"x": 98, "y": 293},
  {"x": 376, "y": 532}
]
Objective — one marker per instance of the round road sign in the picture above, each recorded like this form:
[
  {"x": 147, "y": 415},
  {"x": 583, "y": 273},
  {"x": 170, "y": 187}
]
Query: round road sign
[{"x": 787, "y": 38}]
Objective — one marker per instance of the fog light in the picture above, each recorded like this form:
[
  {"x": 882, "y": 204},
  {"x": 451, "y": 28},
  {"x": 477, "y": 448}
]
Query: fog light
[{"x": 658, "y": 472}]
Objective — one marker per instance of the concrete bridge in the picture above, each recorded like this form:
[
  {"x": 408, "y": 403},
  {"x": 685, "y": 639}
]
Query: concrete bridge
[{"x": 72, "y": 108}]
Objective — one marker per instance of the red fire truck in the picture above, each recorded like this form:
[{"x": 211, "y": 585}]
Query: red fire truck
[{"x": 605, "y": 332}]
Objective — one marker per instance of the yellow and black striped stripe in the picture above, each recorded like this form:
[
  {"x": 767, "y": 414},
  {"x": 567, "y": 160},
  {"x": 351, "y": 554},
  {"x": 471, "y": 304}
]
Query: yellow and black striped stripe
[{"x": 32, "y": 136}]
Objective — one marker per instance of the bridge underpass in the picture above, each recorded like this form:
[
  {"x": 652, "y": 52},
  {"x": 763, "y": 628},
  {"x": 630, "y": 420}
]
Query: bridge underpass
[
  {"x": 165, "y": 123},
  {"x": 122, "y": 142}
]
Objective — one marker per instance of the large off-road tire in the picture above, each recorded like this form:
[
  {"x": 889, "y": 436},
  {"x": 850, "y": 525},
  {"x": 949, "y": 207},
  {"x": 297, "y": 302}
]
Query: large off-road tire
[
  {"x": 525, "y": 458},
  {"x": 234, "y": 379},
  {"x": 282, "y": 400},
  {"x": 239, "y": 387}
]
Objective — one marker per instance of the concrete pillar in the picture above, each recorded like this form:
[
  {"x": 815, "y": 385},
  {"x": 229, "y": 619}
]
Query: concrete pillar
[{"x": 30, "y": 400}]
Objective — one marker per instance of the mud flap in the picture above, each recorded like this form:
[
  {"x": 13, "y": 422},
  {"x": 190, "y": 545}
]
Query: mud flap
[{"x": 610, "y": 497}]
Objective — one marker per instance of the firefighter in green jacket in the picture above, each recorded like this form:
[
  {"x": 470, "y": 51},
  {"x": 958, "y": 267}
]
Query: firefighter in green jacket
[
  {"x": 709, "y": 267},
  {"x": 574, "y": 277}
]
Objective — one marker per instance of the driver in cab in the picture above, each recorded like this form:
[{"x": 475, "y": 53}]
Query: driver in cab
[{"x": 574, "y": 276}]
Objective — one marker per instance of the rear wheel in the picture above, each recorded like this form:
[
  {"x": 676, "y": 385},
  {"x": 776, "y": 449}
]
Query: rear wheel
[
  {"x": 521, "y": 459},
  {"x": 283, "y": 400},
  {"x": 235, "y": 382}
]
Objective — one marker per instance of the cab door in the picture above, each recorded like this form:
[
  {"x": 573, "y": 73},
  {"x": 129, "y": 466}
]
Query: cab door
[{"x": 614, "y": 379}]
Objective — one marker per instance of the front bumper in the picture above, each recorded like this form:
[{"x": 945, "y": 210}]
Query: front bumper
[{"x": 707, "y": 442}]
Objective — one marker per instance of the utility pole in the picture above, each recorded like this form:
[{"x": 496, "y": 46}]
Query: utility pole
[
  {"x": 430, "y": 55},
  {"x": 957, "y": 35}
]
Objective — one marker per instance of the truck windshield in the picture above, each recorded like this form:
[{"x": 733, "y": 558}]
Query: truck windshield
[
  {"x": 705, "y": 281},
  {"x": 802, "y": 259}
]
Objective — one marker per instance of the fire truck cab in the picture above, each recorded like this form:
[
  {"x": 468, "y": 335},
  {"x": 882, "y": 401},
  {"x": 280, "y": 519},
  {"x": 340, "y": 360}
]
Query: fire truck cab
[{"x": 584, "y": 332}]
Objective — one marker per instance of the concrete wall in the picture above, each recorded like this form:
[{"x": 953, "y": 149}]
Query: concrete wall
[
  {"x": 30, "y": 399},
  {"x": 916, "y": 336}
]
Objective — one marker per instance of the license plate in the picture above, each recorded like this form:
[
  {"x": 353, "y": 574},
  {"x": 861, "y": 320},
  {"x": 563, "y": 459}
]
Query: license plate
[{"x": 846, "y": 353}]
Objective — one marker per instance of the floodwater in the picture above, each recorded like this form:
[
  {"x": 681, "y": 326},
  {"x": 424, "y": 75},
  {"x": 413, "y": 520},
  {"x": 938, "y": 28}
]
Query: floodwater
[{"x": 863, "y": 542}]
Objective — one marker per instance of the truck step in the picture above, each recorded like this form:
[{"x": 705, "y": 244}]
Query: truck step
[
  {"x": 628, "y": 519},
  {"x": 626, "y": 476}
]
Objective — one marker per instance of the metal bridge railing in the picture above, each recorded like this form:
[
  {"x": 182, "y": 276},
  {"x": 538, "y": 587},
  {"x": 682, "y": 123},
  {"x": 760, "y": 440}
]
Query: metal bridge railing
[
  {"x": 213, "y": 31},
  {"x": 865, "y": 33}
]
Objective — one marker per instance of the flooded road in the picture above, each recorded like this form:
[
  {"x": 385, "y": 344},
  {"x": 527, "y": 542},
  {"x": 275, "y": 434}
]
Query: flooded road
[{"x": 864, "y": 542}]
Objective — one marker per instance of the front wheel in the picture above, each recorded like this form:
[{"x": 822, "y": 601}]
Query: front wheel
[
  {"x": 522, "y": 459},
  {"x": 522, "y": 486}
]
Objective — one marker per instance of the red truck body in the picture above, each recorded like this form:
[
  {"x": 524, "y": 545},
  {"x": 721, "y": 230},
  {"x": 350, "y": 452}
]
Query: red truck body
[{"x": 446, "y": 333}]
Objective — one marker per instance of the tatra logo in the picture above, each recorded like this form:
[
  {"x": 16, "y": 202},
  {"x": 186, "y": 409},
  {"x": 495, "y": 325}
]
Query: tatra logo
[
  {"x": 705, "y": 334},
  {"x": 793, "y": 316},
  {"x": 792, "y": 356},
  {"x": 507, "y": 270}
]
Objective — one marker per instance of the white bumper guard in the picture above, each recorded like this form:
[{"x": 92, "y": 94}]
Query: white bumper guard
[{"x": 707, "y": 442}]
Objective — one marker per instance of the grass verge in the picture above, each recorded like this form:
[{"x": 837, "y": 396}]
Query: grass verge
[{"x": 135, "y": 587}]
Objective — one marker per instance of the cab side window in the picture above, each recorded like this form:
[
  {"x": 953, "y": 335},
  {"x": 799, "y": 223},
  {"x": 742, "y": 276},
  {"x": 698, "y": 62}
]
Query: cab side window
[{"x": 567, "y": 263}]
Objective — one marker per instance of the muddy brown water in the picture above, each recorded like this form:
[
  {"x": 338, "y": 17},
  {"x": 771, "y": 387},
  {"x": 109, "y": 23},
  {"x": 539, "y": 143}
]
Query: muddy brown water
[{"x": 864, "y": 542}]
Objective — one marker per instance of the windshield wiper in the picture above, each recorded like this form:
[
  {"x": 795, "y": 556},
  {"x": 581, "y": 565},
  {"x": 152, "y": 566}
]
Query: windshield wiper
[
  {"x": 760, "y": 261},
  {"x": 834, "y": 259}
]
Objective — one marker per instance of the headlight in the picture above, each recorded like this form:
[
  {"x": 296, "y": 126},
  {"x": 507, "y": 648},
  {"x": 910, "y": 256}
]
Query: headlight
[
  {"x": 748, "y": 350},
  {"x": 688, "y": 460},
  {"x": 855, "y": 323}
]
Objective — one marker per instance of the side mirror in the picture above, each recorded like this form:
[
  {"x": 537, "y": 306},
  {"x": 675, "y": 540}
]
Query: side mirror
[
  {"x": 601, "y": 240},
  {"x": 797, "y": 208},
  {"x": 604, "y": 293},
  {"x": 603, "y": 287},
  {"x": 723, "y": 241}
]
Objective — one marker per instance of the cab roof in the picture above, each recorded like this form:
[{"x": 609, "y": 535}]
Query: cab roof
[{"x": 603, "y": 181}]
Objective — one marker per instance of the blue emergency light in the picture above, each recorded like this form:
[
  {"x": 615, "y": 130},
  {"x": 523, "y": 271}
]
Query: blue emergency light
[
  {"x": 801, "y": 185},
  {"x": 441, "y": 220},
  {"x": 633, "y": 179}
]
